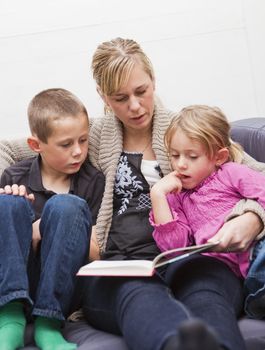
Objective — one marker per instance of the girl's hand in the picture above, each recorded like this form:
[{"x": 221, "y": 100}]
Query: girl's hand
[
  {"x": 158, "y": 194},
  {"x": 237, "y": 235},
  {"x": 17, "y": 190},
  {"x": 169, "y": 183}
]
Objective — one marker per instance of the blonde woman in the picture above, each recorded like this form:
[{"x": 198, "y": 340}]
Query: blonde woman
[{"x": 127, "y": 145}]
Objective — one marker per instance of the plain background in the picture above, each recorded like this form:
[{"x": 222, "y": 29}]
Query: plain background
[{"x": 203, "y": 51}]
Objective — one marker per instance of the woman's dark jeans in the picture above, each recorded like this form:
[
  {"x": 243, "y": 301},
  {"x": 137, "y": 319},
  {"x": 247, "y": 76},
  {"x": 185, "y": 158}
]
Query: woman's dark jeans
[{"x": 145, "y": 311}]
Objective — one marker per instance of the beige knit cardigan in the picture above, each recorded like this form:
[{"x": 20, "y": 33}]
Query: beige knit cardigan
[{"x": 106, "y": 145}]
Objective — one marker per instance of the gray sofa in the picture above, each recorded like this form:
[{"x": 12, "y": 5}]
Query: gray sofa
[{"x": 251, "y": 134}]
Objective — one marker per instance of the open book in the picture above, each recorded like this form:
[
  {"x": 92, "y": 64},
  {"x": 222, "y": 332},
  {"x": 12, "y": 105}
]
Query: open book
[{"x": 140, "y": 267}]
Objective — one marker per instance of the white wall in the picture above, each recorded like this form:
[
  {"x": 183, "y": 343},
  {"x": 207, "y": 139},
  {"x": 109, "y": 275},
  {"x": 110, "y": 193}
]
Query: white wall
[{"x": 203, "y": 51}]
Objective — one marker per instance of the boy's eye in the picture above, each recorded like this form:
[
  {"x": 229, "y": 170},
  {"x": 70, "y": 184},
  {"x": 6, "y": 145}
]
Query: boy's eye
[
  {"x": 84, "y": 140},
  {"x": 65, "y": 145},
  {"x": 174, "y": 156}
]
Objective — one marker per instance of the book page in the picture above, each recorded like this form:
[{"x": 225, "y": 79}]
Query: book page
[
  {"x": 117, "y": 268},
  {"x": 172, "y": 255}
]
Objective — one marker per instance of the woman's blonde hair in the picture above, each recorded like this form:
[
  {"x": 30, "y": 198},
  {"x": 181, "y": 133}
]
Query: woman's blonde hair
[
  {"x": 113, "y": 62},
  {"x": 207, "y": 125}
]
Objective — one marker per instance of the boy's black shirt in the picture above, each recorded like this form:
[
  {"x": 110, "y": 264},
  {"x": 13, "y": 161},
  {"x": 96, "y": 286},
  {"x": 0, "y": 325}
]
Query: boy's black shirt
[{"x": 88, "y": 183}]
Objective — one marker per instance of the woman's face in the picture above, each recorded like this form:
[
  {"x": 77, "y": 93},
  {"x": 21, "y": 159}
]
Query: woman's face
[{"x": 133, "y": 104}]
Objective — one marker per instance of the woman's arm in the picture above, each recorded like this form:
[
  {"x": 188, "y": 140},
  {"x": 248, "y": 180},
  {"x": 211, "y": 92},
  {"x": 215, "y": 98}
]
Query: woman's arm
[
  {"x": 246, "y": 222},
  {"x": 13, "y": 151}
]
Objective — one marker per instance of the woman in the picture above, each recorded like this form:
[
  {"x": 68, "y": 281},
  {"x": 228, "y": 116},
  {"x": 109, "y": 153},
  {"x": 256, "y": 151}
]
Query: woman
[{"x": 127, "y": 145}]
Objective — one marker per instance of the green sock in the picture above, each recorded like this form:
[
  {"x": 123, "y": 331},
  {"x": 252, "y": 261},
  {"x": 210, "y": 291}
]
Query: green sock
[
  {"x": 48, "y": 335},
  {"x": 12, "y": 326}
]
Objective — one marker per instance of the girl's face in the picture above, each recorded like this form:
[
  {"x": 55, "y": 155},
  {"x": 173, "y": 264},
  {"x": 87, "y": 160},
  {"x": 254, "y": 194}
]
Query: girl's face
[
  {"x": 133, "y": 104},
  {"x": 189, "y": 158}
]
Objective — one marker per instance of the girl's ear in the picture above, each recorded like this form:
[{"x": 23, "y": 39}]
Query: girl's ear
[
  {"x": 222, "y": 156},
  {"x": 34, "y": 144}
]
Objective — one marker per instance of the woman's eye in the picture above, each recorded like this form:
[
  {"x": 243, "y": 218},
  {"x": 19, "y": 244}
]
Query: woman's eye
[
  {"x": 141, "y": 92},
  {"x": 121, "y": 99}
]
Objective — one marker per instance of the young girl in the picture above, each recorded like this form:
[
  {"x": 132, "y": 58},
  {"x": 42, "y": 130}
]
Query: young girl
[{"x": 191, "y": 203}]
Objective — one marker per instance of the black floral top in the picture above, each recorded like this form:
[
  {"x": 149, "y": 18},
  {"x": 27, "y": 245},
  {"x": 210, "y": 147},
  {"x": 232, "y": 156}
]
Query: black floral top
[{"x": 130, "y": 235}]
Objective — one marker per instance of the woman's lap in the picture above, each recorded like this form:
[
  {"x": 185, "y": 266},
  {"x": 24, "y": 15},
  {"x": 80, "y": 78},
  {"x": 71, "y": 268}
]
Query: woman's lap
[
  {"x": 135, "y": 307},
  {"x": 212, "y": 292}
]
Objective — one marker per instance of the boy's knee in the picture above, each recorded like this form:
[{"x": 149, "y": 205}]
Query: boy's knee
[
  {"x": 15, "y": 206},
  {"x": 11, "y": 201},
  {"x": 67, "y": 204}
]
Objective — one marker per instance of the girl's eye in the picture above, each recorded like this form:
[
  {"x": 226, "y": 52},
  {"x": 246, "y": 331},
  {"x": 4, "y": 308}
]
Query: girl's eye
[{"x": 193, "y": 157}]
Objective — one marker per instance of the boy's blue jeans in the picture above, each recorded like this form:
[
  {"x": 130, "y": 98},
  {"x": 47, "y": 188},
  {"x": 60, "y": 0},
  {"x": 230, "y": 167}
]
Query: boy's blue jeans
[
  {"x": 65, "y": 229},
  {"x": 255, "y": 283}
]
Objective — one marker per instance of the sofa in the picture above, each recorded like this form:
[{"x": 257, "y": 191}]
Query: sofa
[{"x": 250, "y": 133}]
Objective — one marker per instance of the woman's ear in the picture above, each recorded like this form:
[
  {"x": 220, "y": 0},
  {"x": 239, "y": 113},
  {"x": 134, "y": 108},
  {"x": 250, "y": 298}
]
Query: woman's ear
[
  {"x": 34, "y": 143},
  {"x": 222, "y": 156}
]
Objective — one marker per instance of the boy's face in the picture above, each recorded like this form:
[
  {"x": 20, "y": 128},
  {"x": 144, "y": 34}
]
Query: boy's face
[{"x": 67, "y": 147}]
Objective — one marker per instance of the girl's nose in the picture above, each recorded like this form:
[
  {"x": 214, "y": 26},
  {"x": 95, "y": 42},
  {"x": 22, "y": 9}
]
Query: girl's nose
[{"x": 182, "y": 164}]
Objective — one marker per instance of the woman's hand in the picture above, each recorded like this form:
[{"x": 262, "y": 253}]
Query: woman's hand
[
  {"x": 17, "y": 190},
  {"x": 237, "y": 234}
]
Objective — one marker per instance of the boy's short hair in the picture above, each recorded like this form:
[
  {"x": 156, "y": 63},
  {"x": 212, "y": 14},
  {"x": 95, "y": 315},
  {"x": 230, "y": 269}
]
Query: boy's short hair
[{"x": 50, "y": 105}]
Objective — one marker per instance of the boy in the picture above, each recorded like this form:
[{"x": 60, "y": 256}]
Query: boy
[{"x": 66, "y": 192}]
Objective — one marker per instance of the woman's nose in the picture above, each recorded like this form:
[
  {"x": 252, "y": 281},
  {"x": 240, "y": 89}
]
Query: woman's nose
[{"x": 134, "y": 104}]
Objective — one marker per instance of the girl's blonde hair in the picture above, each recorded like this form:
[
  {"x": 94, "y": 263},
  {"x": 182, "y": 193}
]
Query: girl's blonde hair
[
  {"x": 113, "y": 62},
  {"x": 207, "y": 125}
]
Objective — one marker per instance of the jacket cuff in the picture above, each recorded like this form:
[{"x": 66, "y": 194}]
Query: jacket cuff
[{"x": 246, "y": 205}]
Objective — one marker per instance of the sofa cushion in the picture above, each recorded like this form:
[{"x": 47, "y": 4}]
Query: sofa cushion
[{"x": 250, "y": 133}]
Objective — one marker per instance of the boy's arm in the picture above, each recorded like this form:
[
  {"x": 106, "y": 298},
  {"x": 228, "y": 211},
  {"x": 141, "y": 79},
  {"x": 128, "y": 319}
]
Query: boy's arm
[
  {"x": 94, "y": 248},
  {"x": 36, "y": 237}
]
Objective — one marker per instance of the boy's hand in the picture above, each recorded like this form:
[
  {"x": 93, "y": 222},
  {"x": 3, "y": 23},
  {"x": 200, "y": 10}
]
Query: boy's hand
[
  {"x": 36, "y": 237},
  {"x": 17, "y": 190}
]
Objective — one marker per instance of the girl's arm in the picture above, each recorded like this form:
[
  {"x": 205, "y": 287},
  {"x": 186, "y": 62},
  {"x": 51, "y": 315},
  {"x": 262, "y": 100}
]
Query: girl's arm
[
  {"x": 171, "y": 229},
  {"x": 158, "y": 194}
]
